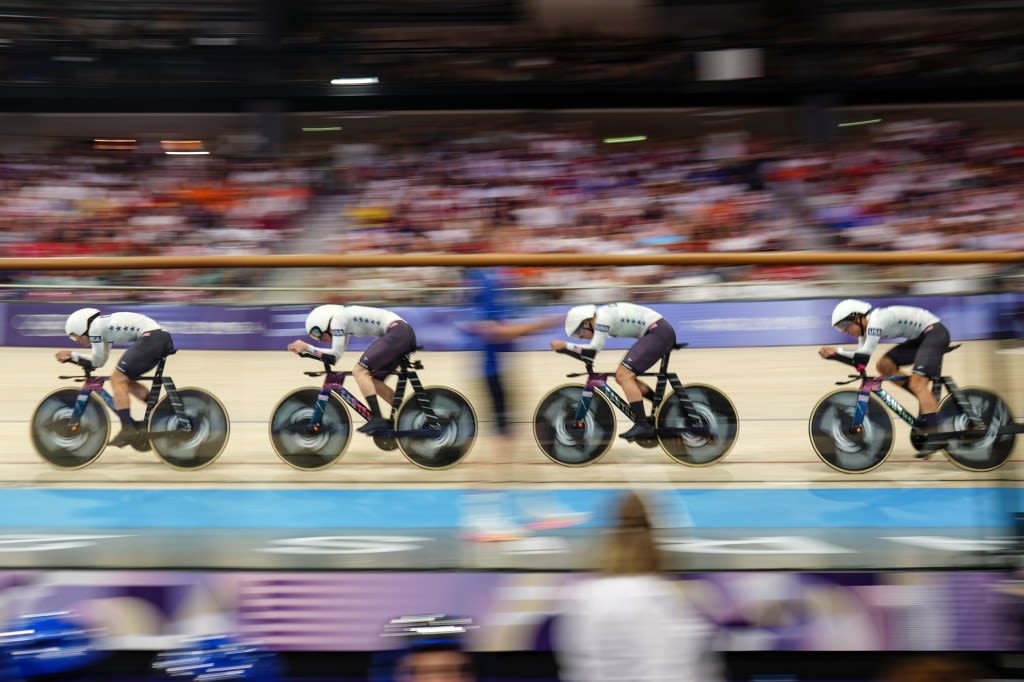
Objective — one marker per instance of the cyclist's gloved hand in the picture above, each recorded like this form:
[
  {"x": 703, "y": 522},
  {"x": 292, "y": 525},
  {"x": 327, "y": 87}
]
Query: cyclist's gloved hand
[
  {"x": 843, "y": 359},
  {"x": 860, "y": 361}
]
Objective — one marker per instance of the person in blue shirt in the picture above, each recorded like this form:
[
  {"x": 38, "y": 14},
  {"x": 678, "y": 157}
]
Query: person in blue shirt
[
  {"x": 496, "y": 324},
  {"x": 496, "y": 327}
]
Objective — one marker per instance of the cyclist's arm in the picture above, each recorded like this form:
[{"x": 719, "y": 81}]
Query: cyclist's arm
[
  {"x": 862, "y": 353},
  {"x": 98, "y": 357},
  {"x": 339, "y": 342},
  {"x": 853, "y": 361},
  {"x": 596, "y": 343},
  {"x": 601, "y": 329},
  {"x": 339, "y": 339}
]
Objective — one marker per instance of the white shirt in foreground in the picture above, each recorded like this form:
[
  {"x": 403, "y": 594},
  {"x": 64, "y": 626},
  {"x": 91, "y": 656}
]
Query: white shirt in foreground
[{"x": 636, "y": 628}]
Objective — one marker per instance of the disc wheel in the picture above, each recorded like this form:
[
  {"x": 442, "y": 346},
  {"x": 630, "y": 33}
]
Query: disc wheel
[
  {"x": 296, "y": 443},
  {"x": 983, "y": 448},
  {"x": 57, "y": 442},
  {"x": 442, "y": 445},
  {"x": 850, "y": 453},
  {"x": 197, "y": 441},
  {"x": 711, "y": 438},
  {"x": 565, "y": 441}
]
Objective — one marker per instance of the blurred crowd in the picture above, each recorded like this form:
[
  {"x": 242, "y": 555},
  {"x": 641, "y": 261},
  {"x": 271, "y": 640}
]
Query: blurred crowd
[
  {"x": 901, "y": 184},
  {"x": 71, "y": 202},
  {"x": 906, "y": 185}
]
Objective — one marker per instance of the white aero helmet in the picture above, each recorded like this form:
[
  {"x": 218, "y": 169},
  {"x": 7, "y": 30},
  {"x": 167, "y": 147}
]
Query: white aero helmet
[
  {"x": 576, "y": 316},
  {"x": 847, "y": 308},
  {"x": 319, "y": 320},
  {"x": 79, "y": 321}
]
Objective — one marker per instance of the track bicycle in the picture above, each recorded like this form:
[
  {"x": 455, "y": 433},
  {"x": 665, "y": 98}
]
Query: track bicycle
[
  {"x": 852, "y": 432},
  {"x": 435, "y": 427},
  {"x": 186, "y": 427},
  {"x": 574, "y": 424}
]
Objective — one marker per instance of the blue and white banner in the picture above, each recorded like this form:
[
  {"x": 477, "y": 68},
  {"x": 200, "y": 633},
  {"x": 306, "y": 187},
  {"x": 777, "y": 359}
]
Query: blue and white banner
[{"x": 728, "y": 324}]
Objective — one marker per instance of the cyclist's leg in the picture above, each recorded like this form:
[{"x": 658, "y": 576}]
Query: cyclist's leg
[
  {"x": 932, "y": 346},
  {"x": 928, "y": 351},
  {"x": 643, "y": 427},
  {"x": 120, "y": 387},
  {"x": 901, "y": 355},
  {"x": 153, "y": 347},
  {"x": 646, "y": 392},
  {"x": 123, "y": 388},
  {"x": 629, "y": 383},
  {"x": 886, "y": 366},
  {"x": 374, "y": 366},
  {"x": 141, "y": 357},
  {"x": 641, "y": 357},
  {"x": 644, "y": 353},
  {"x": 666, "y": 335},
  {"x": 368, "y": 385},
  {"x": 384, "y": 392}
]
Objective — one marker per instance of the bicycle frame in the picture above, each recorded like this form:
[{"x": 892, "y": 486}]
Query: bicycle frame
[
  {"x": 95, "y": 384},
  {"x": 334, "y": 383},
  {"x": 598, "y": 381},
  {"x": 874, "y": 385}
]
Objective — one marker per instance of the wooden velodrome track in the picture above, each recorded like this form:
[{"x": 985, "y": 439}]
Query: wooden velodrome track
[{"x": 773, "y": 389}]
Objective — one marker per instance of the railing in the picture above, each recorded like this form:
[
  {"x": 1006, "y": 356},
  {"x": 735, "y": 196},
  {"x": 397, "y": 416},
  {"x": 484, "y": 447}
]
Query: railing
[
  {"x": 359, "y": 277},
  {"x": 511, "y": 259}
]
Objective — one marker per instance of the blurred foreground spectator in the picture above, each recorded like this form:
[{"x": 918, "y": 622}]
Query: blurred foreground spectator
[
  {"x": 631, "y": 621},
  {"x": 431, "y": 648}
]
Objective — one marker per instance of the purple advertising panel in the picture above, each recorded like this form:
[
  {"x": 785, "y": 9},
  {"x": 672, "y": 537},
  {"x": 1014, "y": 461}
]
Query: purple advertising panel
[
  {"x": 346, "y": 610},
  {"x": 702, "y": 325},
  {"x": 199, "y": 327}
]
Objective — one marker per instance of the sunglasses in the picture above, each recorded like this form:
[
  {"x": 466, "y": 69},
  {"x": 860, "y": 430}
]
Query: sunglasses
[{"x": 585, "y": 325}]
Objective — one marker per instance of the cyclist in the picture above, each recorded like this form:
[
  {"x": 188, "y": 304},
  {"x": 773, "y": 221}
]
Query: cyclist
[
  {"x": 926, "y": 341},
  {"x": 623, "y": 320},
  {"x": 150, "y": 342},
  {"x": 336, "y": 323}
]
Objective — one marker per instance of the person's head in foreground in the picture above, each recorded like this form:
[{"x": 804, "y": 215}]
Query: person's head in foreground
[{"x": 433, "y": 649}]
